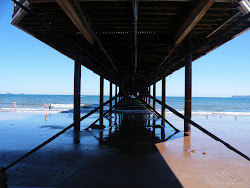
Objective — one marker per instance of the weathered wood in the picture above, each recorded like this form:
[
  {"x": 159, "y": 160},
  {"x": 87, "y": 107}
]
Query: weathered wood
[
  {"x": 73, "y": 12},
  {"x": 194, "y": 17},
  {"x": 77, "y": 94}
]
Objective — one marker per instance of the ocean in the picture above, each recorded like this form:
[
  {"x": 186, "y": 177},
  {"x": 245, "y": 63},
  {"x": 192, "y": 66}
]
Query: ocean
[{"x": 64, "y": 103}]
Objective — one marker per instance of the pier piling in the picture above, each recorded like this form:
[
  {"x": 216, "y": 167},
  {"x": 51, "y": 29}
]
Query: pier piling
[
  {"x": 188, "y": 88},
  {"x": 163, "y": 97},
  {"x": 77, "y": 94},
  {"x": 101, "y": 99}
]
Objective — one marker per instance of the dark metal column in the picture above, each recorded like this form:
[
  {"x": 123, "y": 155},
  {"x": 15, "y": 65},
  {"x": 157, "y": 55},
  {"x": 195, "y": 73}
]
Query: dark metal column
[
  {"x": 188, "y": 88},
  {"x": 163, "y": 94},
  {"x": 154, "y": 92},
  {"x": 101, "y": 100},
  {"x": 116, "y": 94},
  {"x": 149, "y": 89},
  {"x": 110, "y": 96},
  {"x": 77, "y": 94}
]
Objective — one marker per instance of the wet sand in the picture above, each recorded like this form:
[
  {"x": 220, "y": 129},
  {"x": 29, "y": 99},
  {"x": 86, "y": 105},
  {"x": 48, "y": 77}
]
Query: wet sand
[
  {"x": 203, "y": 162},
  {"x": 199, "y": 161},
  {"x": 122, "y": 156}
]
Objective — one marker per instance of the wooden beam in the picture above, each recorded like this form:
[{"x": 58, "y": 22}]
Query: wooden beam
[
  {"x": 73, "y": 11},
  {"x": 75, "y": 14},
  {"x": 194, "y": 17}
]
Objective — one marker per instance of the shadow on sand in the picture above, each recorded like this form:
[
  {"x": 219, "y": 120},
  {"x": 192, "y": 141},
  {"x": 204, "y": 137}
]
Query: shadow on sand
[{"x": 126, "y": 156}]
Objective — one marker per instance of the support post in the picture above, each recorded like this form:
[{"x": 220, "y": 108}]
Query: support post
[
  {"x": 116, "y": 95},
  {"x": 163, "y": 97},
  {"x": 110, "y": 96},
  {"x": 149, "y": 89},
  {"x": 101, "y": 100},
  {"x": 188, "y": 88},
  {"x": 77, "y": 94},
  {"x": 154, "y": 92}
]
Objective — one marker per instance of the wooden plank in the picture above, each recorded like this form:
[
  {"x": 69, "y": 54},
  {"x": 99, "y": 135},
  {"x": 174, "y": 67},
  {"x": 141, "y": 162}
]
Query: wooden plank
[{"x": 74, "y": 13}]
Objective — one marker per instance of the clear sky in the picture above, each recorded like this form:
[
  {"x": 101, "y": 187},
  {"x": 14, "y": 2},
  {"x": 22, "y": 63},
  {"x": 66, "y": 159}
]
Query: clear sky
[{"x": 31, "y": 67}]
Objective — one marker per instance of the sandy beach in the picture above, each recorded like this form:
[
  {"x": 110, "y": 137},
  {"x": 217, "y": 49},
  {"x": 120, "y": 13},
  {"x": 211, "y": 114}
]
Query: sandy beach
[{"x": 195, "y": 161}]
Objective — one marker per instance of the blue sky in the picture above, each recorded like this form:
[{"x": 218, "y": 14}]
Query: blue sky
[{"x": 31, "y": 67}]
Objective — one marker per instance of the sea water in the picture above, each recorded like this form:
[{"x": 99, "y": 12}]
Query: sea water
[{"x": 64, "y": 103}]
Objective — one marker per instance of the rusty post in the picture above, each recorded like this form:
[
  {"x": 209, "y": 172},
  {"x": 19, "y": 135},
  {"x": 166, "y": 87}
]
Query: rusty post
[{"x": 188, "y": 87}]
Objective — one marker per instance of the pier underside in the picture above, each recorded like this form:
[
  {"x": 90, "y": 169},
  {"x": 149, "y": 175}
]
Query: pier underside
[
  {"x": 133, "y": 40},
  {"x": 133, "y": 44}
]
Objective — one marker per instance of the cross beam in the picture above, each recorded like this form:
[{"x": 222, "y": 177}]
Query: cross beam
[
  {"x": 194, "y": 17},
  {"x": 74, "y": 12}
]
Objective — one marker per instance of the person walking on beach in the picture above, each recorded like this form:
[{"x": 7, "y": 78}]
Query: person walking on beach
[{"x": 14, "y": 104}]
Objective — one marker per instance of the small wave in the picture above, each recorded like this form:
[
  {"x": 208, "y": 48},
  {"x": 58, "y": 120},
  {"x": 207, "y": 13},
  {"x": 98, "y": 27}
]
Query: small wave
[
  {"x": 62, "y": 105},
  {"x": 214, "y": 113},
  {"x": 31, "y": 110}
]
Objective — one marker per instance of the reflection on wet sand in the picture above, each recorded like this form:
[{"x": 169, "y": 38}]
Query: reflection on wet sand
[
  {"x": 127, "y": 154},
  {"x": 130, "y": 152},
  {"x": 187, "y": 144}
]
